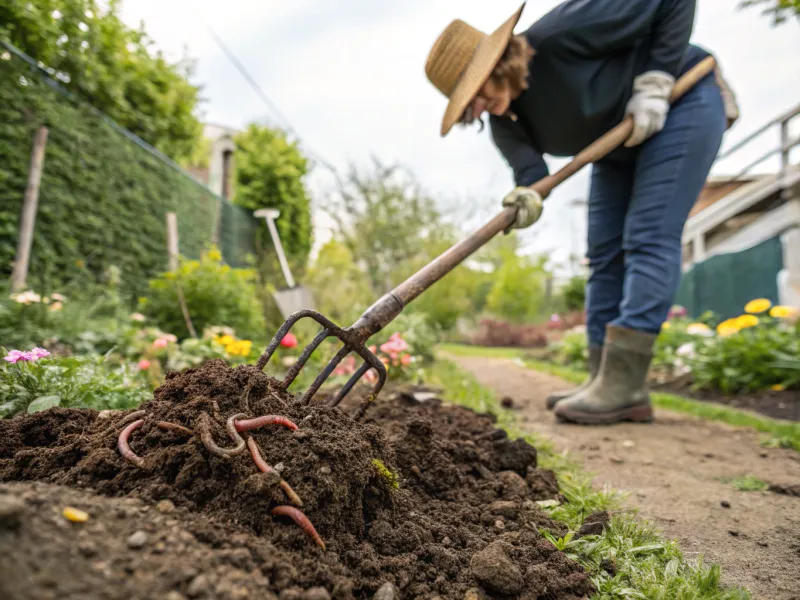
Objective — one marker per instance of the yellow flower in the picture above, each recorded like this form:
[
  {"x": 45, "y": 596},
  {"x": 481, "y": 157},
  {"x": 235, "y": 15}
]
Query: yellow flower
[
  {"x": 240, "y": 348},
  {"x": 214, "y": 255},
  {"x": 666, "y": 325},
  {"x": 746, "y": 321},
  {"x": 782, "y": 312},
  {"x": 758, "y": 305},
  {"x": 778, "y": 387},
  {"x": 698, "y": 328},
  {"x": 225, "y": 340},
  {"x": 728, "y": 327}
]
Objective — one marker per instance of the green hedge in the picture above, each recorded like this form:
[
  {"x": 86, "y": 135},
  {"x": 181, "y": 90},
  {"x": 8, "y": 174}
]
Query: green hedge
[{"x": 104, "y": 194}]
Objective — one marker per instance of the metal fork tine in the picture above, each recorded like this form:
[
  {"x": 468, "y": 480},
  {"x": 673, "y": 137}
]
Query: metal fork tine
[
  {"x": 343, "y": 351},
  {"x": 301, "y": 361},
  {"x": 349, "y": 385},
  {"x": 279, "y": 335}
]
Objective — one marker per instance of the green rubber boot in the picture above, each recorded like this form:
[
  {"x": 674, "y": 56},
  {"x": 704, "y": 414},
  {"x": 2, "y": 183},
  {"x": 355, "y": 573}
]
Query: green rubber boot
[
  {"x": 595, "y": 354},
  {"x": 619, "y": 391}
]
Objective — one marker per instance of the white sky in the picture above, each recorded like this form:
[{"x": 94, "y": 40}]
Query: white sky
[{"x": 349, "y": 75}]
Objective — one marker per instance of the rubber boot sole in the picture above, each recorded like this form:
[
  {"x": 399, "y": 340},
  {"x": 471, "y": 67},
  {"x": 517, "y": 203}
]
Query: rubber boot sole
[{"x": 640, "y": 413}]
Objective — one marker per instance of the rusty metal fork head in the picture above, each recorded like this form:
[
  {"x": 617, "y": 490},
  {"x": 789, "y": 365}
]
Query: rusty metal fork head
[{"x": 354, "y": 340}]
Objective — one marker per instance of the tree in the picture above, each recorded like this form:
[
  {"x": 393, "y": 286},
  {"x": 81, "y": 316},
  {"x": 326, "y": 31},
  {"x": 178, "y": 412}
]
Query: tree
[
  {"x": 341, "y": 289},
  {"x": 269, "y": 174},
  {"x": 110, "y": 66},
  {"x": 517, "y": 293},
  {"x": 392, "y": 229},
  {"x": 780, "y": 10}
]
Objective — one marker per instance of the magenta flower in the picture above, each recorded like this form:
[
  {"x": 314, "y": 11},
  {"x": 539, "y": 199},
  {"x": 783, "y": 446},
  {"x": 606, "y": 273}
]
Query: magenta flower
[
  {"x": 38, "y": 353},
  {"x": 17, "y": 355},
  {"x": 395, "y": 345}
]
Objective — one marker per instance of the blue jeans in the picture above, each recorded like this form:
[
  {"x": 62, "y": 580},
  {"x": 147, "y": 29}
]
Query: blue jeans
[{"x": 639, "y": 201}]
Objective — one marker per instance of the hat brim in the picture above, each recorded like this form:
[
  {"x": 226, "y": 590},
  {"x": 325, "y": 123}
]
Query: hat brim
[{"x": 480, "y": 67}]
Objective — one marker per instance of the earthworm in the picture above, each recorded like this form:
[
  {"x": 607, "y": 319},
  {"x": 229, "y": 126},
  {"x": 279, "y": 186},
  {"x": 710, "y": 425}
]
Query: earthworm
[
  {"x": 124, "y": 421},
  {"x": 166, "y": 426},
  {"x": 258, "y": 422},
  {"x": 301, "y": 520},
  {"x": 203, "y": 427},
  {"x": 124, "y": 449},
  {"x": 215, "y": 408},
  {"x": 265, "y": 468}
]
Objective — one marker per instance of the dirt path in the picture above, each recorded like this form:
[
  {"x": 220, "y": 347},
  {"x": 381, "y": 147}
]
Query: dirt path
[{"x": 672, "y": 470}]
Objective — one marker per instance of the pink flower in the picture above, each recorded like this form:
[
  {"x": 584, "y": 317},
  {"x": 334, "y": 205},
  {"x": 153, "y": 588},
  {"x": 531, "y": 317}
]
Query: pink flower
[
  {"x": 17, "y": 355},
  {"x": 394, "y": 345},
  {"x": 144, "y": 364},
  {"x": 289, "y": 340},
  {"x": 160, "y": 343},
  {"x": 346, "y": 367},
  {"x": 405, "y": 360},
  {"x": 38, "y": 353},
  {"x": 371, "y": 376}
]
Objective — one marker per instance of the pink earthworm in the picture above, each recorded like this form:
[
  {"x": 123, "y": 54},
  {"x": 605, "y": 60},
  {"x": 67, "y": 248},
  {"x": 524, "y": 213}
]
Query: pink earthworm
[
  {"x": 167, "y": 426},
  {"x": 204, "y": 429},
  {"x": 301, "y": 520},
  {"x": 258, "y": 422},
  {"x": 262, "y": 465},
  {"x": 125, "y": 449}
]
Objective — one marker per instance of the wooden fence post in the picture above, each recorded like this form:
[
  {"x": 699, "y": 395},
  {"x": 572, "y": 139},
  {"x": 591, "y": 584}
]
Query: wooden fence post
[
  {"x": 30, "y": 205},
  {"x": 172, "y": 240}
]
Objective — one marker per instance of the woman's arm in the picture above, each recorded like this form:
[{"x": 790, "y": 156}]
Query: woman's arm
[
  {"x": 600, "y": 27},
  {"x": 514, "y": 144}
]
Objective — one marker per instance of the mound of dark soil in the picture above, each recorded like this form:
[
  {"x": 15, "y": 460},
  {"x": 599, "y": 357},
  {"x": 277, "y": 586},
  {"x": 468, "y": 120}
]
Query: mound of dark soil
[{"x": 431, "y": 499}]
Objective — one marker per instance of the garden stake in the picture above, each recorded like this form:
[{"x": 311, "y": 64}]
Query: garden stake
[
  {"x": 125, "y": 449},
  {"x": 264, "y": 467},
  {"x": 302, "y": 521},
  {"x": 387, "y": 308}
]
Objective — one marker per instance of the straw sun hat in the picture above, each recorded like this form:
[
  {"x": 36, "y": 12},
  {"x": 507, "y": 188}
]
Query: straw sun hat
[{"x": 461, "y": 60}]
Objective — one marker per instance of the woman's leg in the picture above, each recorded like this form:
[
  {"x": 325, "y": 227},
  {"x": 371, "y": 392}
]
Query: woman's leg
[
  {"x": 609, "y": 195},
  {"x": 671, "y": 169}
]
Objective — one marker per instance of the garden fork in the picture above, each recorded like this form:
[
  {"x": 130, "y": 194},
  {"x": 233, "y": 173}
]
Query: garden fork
[{"x": 387, "y": 308}]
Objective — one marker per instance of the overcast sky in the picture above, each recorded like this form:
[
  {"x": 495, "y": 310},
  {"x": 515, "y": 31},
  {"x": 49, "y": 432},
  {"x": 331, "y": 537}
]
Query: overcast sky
[{"x": 349, "y": 76}]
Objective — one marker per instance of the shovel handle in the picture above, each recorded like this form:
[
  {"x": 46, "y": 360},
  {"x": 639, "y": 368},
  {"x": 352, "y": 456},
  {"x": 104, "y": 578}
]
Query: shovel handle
[{"x": 389, "y": 306}]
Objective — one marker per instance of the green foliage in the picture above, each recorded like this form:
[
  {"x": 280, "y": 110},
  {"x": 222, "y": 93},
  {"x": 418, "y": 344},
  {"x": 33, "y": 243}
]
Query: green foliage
[
  {"x": 215, "y": 294},
  {"x": 340, "y": 288},
  {"x": 518, "y": 287},
  {"x": 574, "y": 293},
  {"x": 103, "y": 199},
  {"x": 269, "y": 174},
  {"x": 747, "y": 483},
  {"x": 417, "y": 331},
  {"x": 74, "y": 382},
  {"x": 780, "y": 10},
  {"x": 754, "y": 358},
  {"x": 114, "y": 68},
  {"x": 389, "y": 476},
  {"x": 573, "y": 350}
]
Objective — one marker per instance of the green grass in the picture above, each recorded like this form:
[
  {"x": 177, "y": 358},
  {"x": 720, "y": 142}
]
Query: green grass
[
  {"x": 647, "y": 566},
  {"x": 747, "y": 483},
  {"x": 780, "y": 433}
]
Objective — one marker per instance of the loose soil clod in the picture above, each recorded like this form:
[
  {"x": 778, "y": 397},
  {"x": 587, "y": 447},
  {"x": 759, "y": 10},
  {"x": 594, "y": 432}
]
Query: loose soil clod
[{"x": 416, "y": 532}]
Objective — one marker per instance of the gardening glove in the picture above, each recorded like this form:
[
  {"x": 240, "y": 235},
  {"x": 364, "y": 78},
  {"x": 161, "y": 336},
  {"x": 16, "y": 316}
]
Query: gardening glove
[
  {"x": 529, "y": 207},
  {"x": 649, "y": 105}
]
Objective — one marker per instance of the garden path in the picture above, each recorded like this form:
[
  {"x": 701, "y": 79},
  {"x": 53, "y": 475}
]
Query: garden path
[{"x": 673, "y": 471}]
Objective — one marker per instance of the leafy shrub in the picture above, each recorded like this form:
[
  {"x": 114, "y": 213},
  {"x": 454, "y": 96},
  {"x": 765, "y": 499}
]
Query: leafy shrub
[
  {"x": 37, "y": 381},
  {"x": 574, "y": 293},
  {"x": 417, "y": 331},
  {"x": 573, "y": 350},
  {"x": 215, "y": 294}
]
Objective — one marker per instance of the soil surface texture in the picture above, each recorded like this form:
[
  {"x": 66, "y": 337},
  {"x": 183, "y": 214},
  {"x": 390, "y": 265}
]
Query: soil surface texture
[
  {"x": 677, "y": 472},
  {"x": 417, "y": 500}
]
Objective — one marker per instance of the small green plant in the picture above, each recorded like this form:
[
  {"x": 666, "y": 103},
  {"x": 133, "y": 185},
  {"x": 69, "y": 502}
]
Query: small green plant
[
  {"x": 747, "y": 483},
  {"x": 573, "y": 350},
  {"x": 387, "y": 474},
  {"x": 33, "y": 380},
  {"x": 215, "y": 294}
]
